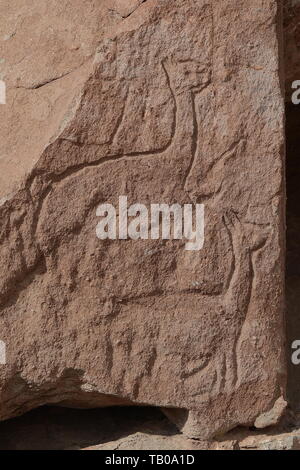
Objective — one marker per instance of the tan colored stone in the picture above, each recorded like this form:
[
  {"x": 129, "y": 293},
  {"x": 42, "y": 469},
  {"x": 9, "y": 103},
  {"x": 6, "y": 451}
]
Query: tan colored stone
[
  {"x": 271, "y": 417},
  {"x": 143, "y": 441},
  {"x": 182, "y": 104},
  {"x": 288, "y": 441}
]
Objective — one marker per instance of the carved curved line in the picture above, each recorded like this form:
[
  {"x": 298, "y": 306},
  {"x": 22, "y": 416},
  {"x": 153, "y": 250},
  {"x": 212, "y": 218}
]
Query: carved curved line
[
  {"x": 137, "y": 153},
  {"x": 195, "y": 141},
  {"x": 77, "y": 168},
  {"x": 253, "y": 278}
]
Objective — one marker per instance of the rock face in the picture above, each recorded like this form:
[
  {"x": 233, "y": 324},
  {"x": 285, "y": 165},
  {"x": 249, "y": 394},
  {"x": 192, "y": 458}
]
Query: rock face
[
  {"x": 292, "y": 43},
  {"x": 182, "y": 103}
]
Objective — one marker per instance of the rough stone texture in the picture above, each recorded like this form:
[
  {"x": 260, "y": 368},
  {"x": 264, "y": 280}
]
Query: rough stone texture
[
  {"x": 288, "y": 441},
  {"x": 292, "y": 43},
  {"x": 182, "y": 103},
  {"x": 271, "y": 417}
]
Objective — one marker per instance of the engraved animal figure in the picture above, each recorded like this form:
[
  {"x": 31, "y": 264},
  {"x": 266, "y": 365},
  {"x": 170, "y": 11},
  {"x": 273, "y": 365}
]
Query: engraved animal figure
[{"x": 29, "y": 221}]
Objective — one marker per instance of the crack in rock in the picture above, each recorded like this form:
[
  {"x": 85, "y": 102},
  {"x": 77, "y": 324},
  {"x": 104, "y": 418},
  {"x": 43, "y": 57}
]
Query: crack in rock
[{"x": 129, "y": 12}]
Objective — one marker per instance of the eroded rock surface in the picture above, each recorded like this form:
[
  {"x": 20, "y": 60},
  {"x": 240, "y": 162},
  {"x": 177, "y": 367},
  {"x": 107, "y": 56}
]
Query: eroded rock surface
[
  {"x": 182, "y": 104},
  {"x": 291, "y": 43}
]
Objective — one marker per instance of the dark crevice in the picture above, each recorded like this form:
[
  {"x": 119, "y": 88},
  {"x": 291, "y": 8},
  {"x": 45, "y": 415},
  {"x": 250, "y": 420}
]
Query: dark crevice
[
  {"x": 56, "y": 428},
  {"x": 293, "y": 247}
]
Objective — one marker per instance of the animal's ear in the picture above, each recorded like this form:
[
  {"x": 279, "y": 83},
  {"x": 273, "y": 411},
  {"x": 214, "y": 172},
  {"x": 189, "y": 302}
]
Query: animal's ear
[
  {"x": 169, "y": 65},
  {"x": 189, "y": 74}
]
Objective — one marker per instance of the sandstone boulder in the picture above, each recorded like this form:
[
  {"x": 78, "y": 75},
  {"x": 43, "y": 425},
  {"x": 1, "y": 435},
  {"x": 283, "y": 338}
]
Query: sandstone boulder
[{"x": 162, "y": 102}]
